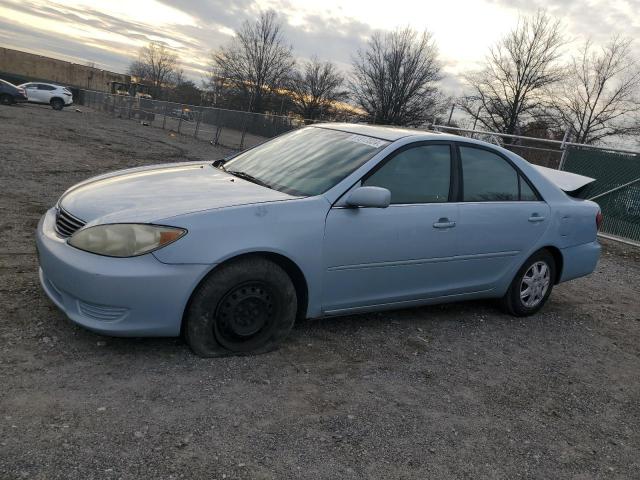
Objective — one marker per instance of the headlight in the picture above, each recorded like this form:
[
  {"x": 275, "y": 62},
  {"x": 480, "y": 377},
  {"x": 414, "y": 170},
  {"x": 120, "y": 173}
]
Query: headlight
[{"x": 125, "y": 239}]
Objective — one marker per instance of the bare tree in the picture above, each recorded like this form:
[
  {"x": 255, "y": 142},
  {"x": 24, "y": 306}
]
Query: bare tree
[
  {"x": 138, "y": 69},
  {"x": 601, "y": 97},
  {"x": 394, "y": 78},
  {"x": 155, "y": 64},
  {"x": 212, "y": 84},
  {"x": 315, "y": 89},
  {"x": 257, "y": 60},
  {"x": 177, "y": 77},
  {"x": 518, "y": 69},
  {"x": 185, "y": 92}
]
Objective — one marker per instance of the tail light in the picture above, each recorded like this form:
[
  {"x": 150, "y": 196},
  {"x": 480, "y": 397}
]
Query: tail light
[
  {"x": 22, "y": 91},
  {"x": 598, "y": 219}
]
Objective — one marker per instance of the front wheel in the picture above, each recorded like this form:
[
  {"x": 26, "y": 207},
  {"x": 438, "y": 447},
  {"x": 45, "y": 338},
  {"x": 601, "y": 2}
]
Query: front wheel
[
  {"x": 245, "y": 307},
  {"x": 531, "y": 286}
]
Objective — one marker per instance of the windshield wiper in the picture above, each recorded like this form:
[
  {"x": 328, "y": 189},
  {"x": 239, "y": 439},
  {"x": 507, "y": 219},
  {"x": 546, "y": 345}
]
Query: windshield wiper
[{"x": 249, "y": 178}]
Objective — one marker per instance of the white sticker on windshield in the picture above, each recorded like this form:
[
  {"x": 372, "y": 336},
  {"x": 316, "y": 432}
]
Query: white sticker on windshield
[{"x": 372, "y": 142}]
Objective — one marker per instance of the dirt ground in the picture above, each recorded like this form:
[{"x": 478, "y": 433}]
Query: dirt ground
[{"x": 454, "y": 391}]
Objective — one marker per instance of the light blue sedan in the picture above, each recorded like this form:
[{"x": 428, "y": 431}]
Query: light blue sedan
[{"x": 327, "y": 220}]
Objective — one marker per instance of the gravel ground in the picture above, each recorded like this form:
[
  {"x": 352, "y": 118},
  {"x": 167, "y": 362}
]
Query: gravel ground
[{"x": 454, "y": 391}]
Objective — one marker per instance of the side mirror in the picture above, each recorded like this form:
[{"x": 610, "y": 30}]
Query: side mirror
[
  {"x": 372, "y": 197},
  {"x": 221, "y": 161}
]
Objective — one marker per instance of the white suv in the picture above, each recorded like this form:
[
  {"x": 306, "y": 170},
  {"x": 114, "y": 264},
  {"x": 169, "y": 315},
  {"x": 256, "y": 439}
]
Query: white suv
[{"x": 55, "y": 95}]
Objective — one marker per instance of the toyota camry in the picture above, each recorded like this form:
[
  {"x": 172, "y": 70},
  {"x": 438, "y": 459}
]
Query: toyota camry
[{"x": 327, "y": 220}]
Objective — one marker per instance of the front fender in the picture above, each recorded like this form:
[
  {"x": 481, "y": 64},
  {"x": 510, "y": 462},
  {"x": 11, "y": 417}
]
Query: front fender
[{"x": 292, "y": 229}]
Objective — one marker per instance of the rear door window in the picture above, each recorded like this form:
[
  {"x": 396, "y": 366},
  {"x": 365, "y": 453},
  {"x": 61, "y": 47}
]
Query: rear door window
[{"x": 487, "y": 177}]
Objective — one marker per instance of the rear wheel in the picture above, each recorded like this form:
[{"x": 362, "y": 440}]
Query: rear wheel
[
  {"x": 245, "y": 307},
  {"x": 6, "y": 99},
  {"x": 531, "y": 286},
  {"x": 57, "y": 104}
]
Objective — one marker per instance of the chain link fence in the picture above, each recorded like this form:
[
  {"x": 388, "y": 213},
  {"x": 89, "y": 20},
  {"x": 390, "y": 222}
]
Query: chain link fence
[
  {"x": 616, "y": 189},
  {"x": 228, "y": 128}
]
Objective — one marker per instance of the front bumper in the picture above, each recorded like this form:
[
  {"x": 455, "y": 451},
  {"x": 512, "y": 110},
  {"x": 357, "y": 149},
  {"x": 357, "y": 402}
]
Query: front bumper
[{"x": 138, "y": 296}]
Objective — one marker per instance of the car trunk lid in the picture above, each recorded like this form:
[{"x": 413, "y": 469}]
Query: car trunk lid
[{"x": 568, "y": 182}]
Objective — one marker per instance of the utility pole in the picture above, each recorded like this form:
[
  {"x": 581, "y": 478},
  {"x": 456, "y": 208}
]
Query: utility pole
[
  {"x": 475, "y": 121},
  {"x": 453, "y": 106}
]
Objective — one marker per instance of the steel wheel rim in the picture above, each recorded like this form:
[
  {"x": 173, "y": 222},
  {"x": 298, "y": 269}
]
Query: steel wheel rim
[
  {"x": 245, "y": 313},
  {"x": 535, "y": 284}
]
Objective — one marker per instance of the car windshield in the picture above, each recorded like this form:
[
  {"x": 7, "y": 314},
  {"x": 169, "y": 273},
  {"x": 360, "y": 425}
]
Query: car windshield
[{"x": 305, "y": 162}]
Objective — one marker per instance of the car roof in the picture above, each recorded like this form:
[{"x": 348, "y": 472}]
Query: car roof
[
  {"x": 44, "y": 83},
  {"x": 391, "y": 134},
  {"x": 381, "y": 132}
]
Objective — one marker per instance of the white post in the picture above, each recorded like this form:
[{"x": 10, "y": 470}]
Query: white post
[{"x": 563, "y": 147}]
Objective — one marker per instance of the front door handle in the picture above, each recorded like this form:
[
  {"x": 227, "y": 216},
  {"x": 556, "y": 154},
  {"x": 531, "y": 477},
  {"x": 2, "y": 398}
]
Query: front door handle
[
  {"x": 444, "y": 223},
  {"x": 535, "y": 218}
]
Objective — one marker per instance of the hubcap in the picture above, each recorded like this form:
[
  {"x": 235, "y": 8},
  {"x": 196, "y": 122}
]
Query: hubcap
[
  {"x": 244, "y": 311},
  {"x": 535, "y": 284}
]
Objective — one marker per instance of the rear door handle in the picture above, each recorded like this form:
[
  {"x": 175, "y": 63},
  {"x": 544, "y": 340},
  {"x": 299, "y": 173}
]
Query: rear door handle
[
  {"x": 536, "y": 218},
  {"x": 444, "y": 223}
]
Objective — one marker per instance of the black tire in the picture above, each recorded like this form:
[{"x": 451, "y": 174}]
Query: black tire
[
  {"x": 57, "y": 104},
  {"x": 513, "y": 301},
  {"x": 247, "y": 306},
  {"x": 6, "y": 99}
]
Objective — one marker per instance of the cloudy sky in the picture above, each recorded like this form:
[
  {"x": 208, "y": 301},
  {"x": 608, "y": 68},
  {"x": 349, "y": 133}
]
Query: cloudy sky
[{"x": 109, "y": 33}]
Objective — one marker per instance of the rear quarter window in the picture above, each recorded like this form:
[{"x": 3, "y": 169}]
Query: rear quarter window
[{"x": 526, "y": 193}]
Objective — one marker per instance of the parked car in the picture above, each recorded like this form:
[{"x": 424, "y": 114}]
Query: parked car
[
  {"x": 326, "y": 220},
  {"x": 184, "y": 113},
  {"x": 49, "y": 94},
  {"x": 10, "y": 94}
]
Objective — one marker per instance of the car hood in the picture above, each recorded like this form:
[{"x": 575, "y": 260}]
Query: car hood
[{"x": 161, "y": 191}]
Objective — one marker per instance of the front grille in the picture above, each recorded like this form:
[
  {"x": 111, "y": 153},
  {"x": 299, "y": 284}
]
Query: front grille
[{"x": 67, "y": 224}]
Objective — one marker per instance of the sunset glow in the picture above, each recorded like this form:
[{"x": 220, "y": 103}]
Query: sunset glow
[{"x": 109, "y": 34}]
